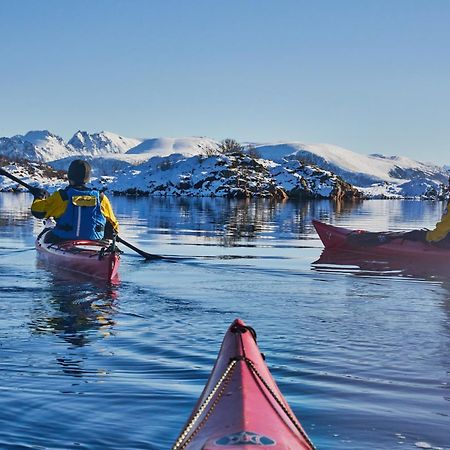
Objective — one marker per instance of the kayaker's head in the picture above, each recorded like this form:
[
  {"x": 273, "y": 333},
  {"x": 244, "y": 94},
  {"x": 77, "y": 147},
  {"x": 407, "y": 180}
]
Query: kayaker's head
[{"x": 79, "y": 172}]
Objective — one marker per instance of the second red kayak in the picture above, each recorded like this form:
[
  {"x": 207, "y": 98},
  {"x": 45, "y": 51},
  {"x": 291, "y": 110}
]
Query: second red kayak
[
  {"x": 241, "y": 406},
  {"x": 383, "y": 243}
]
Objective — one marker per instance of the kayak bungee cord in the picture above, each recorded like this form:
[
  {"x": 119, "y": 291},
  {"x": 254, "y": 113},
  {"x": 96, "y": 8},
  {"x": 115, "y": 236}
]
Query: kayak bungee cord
[
  {"x": 255, "y": 372},
  {"x": 224, "y": 379},
  {"x": 278, "y": 400}
]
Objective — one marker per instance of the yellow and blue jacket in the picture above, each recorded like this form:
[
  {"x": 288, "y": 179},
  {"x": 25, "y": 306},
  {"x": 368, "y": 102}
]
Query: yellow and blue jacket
[{"x": 56, "y": 205}]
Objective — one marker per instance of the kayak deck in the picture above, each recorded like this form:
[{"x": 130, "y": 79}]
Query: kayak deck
[
  {"x": 94, "y": 259},
  {"x": 241, "y": 406}
]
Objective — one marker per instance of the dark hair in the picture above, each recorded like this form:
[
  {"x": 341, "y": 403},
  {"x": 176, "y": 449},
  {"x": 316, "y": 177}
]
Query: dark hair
[{"x": 79, "y": 171}]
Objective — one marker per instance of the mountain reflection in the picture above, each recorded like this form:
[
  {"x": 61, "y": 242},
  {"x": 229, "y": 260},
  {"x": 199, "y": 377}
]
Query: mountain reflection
[{"x": 229, "y": 221}]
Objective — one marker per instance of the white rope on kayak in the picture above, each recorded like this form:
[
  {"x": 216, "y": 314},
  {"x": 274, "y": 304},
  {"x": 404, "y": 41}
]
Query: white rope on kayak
[
  {"x": 181, "y": 442},
  {"x": 280, "y": 403}
]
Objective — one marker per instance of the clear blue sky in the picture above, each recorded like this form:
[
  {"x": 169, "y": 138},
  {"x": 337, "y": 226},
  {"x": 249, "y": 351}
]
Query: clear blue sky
[{"x": 371, "y": 76}]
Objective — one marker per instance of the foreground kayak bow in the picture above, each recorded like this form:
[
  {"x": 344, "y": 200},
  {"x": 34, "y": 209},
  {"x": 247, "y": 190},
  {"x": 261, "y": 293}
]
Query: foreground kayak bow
[
  {"x": 94, "y": 259},
  {"x": 241, "y": 406}
]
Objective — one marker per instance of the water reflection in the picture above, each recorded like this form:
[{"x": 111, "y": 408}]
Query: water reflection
[
  {"x": 413, "y": 211},
  {"x": 15, "y": 219},
  {"x": 338, "y": 261},
  {"x": 229, "y": 221},
  {"x": 77, "y": 311},
  {"x": 77, "y": 308},
  {"x": 238, "y": 220}
]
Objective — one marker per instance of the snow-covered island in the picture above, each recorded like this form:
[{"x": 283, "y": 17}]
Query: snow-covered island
[{"x": 199, "y": 166}]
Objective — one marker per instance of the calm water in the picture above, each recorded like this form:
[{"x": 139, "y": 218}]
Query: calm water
[{"x": 361, "y": 350}]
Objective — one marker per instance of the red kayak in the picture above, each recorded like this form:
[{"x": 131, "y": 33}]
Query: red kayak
[
  {"x": 382, "y": 243},
  {"x": 241, "y": 406},
  {"x": 96, "y": 259}
]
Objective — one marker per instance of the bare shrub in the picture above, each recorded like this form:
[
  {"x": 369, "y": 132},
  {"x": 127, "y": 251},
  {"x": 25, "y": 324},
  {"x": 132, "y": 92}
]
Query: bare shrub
[{"x": 230, "y": 147}]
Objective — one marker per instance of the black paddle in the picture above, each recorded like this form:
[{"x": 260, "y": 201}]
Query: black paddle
[{"x": 148, "y": 256}]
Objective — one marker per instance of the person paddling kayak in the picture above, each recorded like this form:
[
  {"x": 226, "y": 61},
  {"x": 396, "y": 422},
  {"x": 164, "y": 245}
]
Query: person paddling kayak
[
  {"x": 439, "y": 236},
  {"x": 80, "y": 212}
]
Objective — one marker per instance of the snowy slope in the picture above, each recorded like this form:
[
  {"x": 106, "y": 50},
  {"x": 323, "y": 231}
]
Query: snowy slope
[
  {"x": 35, "y": 174},
  {"x": 186, "y": 146},
  {"x": 360, "y": 170}
]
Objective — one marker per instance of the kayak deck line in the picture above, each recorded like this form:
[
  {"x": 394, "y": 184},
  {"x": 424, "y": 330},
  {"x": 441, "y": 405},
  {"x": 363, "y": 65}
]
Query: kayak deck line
[
  {"x": 182, "y": 442},
  {"x": 279, "y": 401},
  {"x": 241, "y": 405}
]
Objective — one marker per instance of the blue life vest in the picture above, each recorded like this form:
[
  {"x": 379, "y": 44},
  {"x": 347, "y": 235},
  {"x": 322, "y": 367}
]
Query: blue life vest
[{"x": 83, "y": 218}]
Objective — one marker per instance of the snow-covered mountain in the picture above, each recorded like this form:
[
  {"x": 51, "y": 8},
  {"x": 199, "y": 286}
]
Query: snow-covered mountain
[
  {"x": 41, "y": 146},
  {"x": 101, "y": 143},
  {"x": 117, "y": 157}
]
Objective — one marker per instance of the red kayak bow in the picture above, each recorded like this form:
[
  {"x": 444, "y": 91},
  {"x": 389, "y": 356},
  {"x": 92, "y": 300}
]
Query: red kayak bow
[{"x": 241, "y": 406}]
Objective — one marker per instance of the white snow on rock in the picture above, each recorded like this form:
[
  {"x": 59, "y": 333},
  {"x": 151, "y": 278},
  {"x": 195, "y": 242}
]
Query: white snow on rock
[
  {"x": 232, "y": 176},
  {"x": 34, "y": 174},
  {"x": 101, "y": 165}
]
